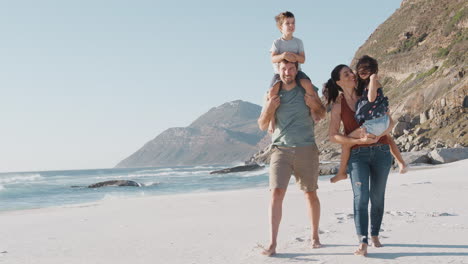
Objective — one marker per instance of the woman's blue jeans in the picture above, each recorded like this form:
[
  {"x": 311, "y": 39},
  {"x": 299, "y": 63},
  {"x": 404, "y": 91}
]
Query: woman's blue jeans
[{"x": 369, "y": 168}]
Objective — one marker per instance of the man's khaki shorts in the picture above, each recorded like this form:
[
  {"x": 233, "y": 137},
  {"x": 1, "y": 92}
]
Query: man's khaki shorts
[{"x": 303, "y": 162}]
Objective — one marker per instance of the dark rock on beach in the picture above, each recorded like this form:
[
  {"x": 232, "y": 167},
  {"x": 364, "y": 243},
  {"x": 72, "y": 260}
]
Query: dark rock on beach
[{"x": 249, "y": 167}]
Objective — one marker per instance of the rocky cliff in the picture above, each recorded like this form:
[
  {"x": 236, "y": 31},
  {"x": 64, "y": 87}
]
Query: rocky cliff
[
  {"x": 422, "y": 52},
  {"x": 225, "y": 134}
]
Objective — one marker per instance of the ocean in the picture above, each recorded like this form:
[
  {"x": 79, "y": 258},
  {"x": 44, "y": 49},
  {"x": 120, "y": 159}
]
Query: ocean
[{"x": 28, "y": 190}]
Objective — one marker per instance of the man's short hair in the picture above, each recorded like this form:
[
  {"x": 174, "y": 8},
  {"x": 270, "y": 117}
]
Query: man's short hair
[{"x": 286, "y": 62}]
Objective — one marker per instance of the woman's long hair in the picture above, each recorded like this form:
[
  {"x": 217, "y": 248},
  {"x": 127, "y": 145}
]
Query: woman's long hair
[{"x": 331, "y": 90}]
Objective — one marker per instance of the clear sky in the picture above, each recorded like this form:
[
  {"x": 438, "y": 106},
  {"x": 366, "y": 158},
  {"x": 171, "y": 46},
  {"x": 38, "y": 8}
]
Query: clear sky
[{"x": 84, "y": 84}]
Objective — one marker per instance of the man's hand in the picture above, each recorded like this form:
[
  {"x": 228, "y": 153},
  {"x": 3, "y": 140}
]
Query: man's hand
[{"x": 268, "y": 112}]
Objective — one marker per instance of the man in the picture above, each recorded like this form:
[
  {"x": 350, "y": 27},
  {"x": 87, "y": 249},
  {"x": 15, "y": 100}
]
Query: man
[{"x": 293, "y": 149}]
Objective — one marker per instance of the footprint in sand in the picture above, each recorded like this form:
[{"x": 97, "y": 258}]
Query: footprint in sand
[
  {"x": 426, "y": 182},
  {"x": 436, "y": 214}
]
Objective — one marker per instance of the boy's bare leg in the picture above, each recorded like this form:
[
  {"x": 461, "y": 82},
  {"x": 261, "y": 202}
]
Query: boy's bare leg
[
  {"x": 313, "y": 203},
  {"x": 273, "y": 91},
  {"x": 341, "y": 175},
  {"x": 276, "y": 211},
  {"x": 397, "y": 154},
  {"x": 317, "y": 111}
]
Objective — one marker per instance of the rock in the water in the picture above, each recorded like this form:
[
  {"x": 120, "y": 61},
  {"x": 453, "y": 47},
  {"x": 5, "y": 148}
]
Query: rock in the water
[
  {"x": 239, "y": 169},
  {"x": 115, "y": 183},
  {"x": 446, "y": 155}
]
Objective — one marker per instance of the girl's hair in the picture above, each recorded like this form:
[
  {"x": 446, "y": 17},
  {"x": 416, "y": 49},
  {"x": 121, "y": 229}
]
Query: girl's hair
[
  {"x": 331, "y": 89},
  {"x": 369, "y": 64},
  {"x": 282, "y": 16}
]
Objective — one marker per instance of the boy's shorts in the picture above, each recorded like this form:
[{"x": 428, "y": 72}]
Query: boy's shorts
[
  {"x": 377, "y": 126},
  {"x": 303, "y": 162},
  {"x": 300, "y": 75}
]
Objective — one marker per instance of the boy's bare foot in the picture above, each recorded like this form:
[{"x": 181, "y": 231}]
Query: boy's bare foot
[
  {"x": 338, "y": 177},
  {"x": 376, "y": 242},
  {"x": 316, "y": 243},
  {"x": 270, "y": 251},
  {"x": 403, "y": 168},
  {"x": 362, "y": 250}
]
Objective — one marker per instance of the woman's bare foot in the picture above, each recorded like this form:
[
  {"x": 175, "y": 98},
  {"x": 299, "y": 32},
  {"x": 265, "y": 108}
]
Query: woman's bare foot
[
  {"x": 316, "y": 243},
  {"x": 338, "y": 177},
  {"x": 362, "y": 250},
  {"x": 403, "y": 167},
  {"x": 270, "y": 251},
  {"x": 376, "y": 242}
]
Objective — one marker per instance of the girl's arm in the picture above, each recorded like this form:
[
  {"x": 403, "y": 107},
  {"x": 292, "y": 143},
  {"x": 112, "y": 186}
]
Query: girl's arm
[{"x": 373, "y": 86}]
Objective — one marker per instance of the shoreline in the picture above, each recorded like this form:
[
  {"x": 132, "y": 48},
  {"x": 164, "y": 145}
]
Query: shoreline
[{"x": 129, "y": 196}]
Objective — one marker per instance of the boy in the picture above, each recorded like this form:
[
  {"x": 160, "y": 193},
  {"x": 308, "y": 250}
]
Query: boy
[{"x": 291, "y": 49}]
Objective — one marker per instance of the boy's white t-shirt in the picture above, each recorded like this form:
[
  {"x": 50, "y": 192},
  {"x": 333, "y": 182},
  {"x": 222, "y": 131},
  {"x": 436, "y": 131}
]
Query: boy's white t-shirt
[{"x": 280, "y": 45}]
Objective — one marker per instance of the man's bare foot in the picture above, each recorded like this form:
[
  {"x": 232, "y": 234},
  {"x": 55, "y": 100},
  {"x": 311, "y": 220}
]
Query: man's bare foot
[
  {"x": 270, "y": 251},
  {"x": 403, "y": 168},
  {"x": 338, "y": 177},
  {"x": 376, "y": 242},
  {"x": 362, "y": 250},
  {"x": 316, "y": 243}
]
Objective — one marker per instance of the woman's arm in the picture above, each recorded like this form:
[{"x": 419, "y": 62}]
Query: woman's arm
[{"x": 334, "y": 130}]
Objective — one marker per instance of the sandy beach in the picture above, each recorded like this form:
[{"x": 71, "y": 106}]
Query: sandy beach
[{"x": 425, "y": 221}]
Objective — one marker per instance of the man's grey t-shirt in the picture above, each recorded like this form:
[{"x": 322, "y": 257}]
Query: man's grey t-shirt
[
  {"x": 280, "y": 45},
  {"x": 294, "y": 126}
]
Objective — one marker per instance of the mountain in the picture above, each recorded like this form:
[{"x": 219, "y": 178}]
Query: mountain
[
  {"x": 422, "y": 51},
  {"x": 225, "y": 134}
]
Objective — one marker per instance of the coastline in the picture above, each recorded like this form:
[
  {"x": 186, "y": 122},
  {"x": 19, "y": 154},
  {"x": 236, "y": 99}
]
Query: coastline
[{"x": 424, "y": 221}]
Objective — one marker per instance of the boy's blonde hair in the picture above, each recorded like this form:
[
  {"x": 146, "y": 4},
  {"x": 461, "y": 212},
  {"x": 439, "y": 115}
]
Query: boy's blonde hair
[{"x": 281, "y": 17}]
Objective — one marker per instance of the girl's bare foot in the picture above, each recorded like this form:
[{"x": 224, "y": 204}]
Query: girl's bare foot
[
  {"x": 362, "y": 250},
  {"x": 270, "y": 251},
  {"x": 376, "y": 242},
  {"x": 403, "y": 167},
  {"x": 316, "y": 243},
  {"x": 338, "y": 177}
]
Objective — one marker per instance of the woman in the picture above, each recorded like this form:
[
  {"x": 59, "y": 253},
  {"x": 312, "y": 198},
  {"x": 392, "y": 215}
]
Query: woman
[{"x": 370, "y": 160}]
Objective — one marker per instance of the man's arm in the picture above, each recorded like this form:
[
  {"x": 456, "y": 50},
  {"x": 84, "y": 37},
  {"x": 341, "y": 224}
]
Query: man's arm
[{"x": 268, "y": 112}]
